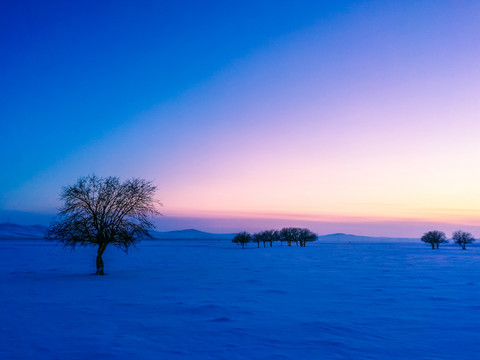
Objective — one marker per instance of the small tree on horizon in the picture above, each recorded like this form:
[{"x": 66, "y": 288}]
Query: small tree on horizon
[
  {"x": 434, "y": 238},
  {"x": 462, "y": 238},
  {"x": 271, "y": 236},
  {"x": 242, "y": 238},
  {"x": 288, "y": 235},
  {"x": 297, "y": 235},
  {"x": 257, "y": 237},
  {"x": 266, "y": 236},
  {"x": 101, "y": 211},
  {"x": 306, "y": 236}
]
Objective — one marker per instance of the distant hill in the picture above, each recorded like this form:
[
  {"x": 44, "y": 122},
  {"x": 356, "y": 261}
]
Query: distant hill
[
  {"x": 190, "y": 234},
  {"x": 347, "y": 238},
  {"x": 14, "y": 231}
]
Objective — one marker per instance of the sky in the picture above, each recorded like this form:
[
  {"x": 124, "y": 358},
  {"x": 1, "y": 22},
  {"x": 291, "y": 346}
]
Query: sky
[{"x": 343, "y": 116}]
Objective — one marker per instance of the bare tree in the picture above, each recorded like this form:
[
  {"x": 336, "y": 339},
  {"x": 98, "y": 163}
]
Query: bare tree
[
  {"x": 101, "y": 211},
  {"x": 306, "y": 236},
  {"x": 270, "y": 236},
  {"x": 434, "y": 238},
  {"x": 288, "y": 235},
  {"x": 266, "y": 236},
  {"x": 242, "y": 239},
  {"x": 297, "y": 235},
  {"x": 462, "y": 238},
  {"x": 257, "y": 237}
]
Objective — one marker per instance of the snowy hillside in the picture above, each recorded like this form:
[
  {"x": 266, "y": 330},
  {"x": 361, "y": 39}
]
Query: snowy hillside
[
  {"x": 14, "y": 231},
  {"x": 190, "y": 234},
  {"x": 340, "y": 237}
]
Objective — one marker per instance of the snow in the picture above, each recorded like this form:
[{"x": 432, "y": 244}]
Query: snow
[{"x": 213, "y": 300}]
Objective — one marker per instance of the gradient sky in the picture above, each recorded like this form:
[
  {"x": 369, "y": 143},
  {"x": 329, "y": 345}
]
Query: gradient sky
[{"x": 348, "y": 116}]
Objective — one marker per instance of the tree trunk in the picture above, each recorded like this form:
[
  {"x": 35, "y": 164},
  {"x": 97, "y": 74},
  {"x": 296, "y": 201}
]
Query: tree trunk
[
  {"x": 433, "y": 246},
  {"x": 101, "y": 250},
  {"x": 264, "y": 244},
  {"x": 271, "y": 243},
  {"x": 437, "y": 246},
  {"x": 258, "y": 244}
]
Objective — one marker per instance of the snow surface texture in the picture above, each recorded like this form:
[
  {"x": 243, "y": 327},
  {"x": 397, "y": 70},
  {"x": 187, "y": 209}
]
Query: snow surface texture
[{"x": 213, "y": 300}]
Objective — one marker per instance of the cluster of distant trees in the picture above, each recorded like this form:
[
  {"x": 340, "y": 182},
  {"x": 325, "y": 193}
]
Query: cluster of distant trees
[
  {"x": 435, "y": 238},
  {"x": 299, "y": 236}
]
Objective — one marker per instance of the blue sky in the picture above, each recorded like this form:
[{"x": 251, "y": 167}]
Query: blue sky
[
  {"x": 326, "y": 112},
  {"x": 74, "y": 70}
]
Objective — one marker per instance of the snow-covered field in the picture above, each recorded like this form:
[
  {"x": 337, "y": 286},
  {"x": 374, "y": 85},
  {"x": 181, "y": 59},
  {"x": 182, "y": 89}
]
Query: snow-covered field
[{"x": 213, "y": 300}]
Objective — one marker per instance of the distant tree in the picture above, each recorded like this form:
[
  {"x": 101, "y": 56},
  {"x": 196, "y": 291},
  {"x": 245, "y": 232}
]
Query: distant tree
[
  {"x": 271, "y": 236},
  {"x": 462, "y": 238},
  {"x": 297, "y": 235},
  {"x": 101, "y": 211},
  {"x": 434, "y": 238},
  {"x": 266, "y": 236},
  {"x": 306, "y": 236},
  {"x": 242, "y": 238},
  {"x": 289, "y": 235},
  {"x": 257, "y": 237}
]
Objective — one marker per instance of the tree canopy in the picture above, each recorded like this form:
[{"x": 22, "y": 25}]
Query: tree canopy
[
  {"x": 434, "y": 238},
  {"x": 297, "y": 235},
  {"x": 267, "y": 236},
  {"x": 101, "y": 211},
  {"x": 242, "y": 238},
  {"x": 462, "y": 238}
]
